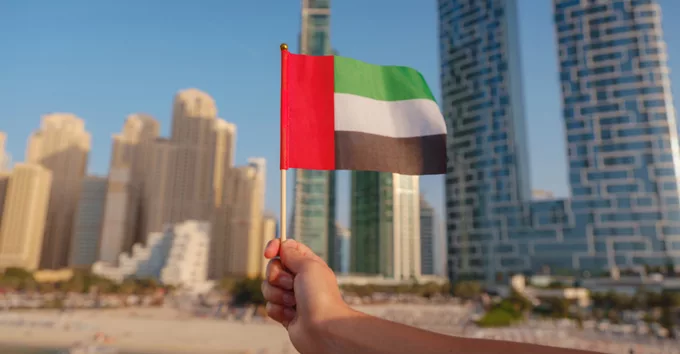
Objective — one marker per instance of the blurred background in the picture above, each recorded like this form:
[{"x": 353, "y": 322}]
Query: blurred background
[{"x": 129, "y": 223}]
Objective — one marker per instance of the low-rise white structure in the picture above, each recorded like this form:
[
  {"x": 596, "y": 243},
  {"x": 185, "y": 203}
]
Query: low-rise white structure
[
  {"x": 178, "y": 257},
  {"x": 187, "y": 261}
]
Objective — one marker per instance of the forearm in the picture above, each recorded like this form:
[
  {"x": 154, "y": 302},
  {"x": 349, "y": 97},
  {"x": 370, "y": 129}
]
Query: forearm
[{"x": 360, "y": 333}]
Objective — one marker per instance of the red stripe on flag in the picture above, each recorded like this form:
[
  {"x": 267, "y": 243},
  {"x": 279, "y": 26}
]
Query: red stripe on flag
[{"x": 307, "y": 112}]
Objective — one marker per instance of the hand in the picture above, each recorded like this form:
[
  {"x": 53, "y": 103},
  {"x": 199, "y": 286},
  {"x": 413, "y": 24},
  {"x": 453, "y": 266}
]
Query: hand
[{"x": 301, "y": 292}]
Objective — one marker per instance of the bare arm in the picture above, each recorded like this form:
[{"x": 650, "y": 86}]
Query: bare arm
[{"x": 361, "y": 333}]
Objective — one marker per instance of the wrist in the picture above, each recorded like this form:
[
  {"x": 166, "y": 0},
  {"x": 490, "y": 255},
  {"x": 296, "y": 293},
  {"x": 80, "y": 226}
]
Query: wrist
[{"x": 332, "y": 332}]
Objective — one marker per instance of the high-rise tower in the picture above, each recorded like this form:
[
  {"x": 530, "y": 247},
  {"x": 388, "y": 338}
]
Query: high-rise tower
[
  {"x": 61, "y": 145},
  {"x": 621, "y": 130},
  {"x": 127, "y": 202},
  {"x": 313, "y": 219},
  {"x": 385, "y": 222},
  {"x": 482, "y": 101}
]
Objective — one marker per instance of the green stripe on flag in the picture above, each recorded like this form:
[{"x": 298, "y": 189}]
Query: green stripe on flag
[{"x": 384, "y": 83}]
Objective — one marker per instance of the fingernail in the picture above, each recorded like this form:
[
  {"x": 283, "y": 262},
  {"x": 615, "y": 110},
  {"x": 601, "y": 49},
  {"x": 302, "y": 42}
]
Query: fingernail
[
  {"x": 289, "y": 313},
  {"x": 286, "y": 281},
  {"x": 288, "y": 299}
]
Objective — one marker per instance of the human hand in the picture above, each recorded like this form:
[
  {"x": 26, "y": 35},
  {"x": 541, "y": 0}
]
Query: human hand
[{"x": 301, "y": 292}]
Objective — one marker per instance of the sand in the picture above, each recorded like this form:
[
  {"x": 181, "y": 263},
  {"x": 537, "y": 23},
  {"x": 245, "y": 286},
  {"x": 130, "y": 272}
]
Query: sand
[{"x": 143, "y": 330}]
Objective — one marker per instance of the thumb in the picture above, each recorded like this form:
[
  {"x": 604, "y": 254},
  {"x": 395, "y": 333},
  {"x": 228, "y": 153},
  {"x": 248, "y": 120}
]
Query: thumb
[{"x": 294, "y": 255}]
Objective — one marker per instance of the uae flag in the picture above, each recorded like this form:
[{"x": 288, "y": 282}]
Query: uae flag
[{"x": 339, "y": 113}]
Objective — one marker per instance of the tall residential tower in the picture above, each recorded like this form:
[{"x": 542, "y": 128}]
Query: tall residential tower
[
  {"x": 62, "y": 146},
  {"x": 622, "y": 135},
  {"x": 482, "y": 100}
]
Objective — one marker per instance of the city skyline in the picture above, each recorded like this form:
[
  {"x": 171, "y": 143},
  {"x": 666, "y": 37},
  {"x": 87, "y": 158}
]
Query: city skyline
[{"x": 142, "y": 84}]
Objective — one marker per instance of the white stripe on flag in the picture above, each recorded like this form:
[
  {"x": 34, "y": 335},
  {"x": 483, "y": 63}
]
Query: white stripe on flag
[{"x": 395, "y": 119}]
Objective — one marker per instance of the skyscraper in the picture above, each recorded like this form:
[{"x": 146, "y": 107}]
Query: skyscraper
[
  {"x": 385, "y": 225},
  {"x": 427, "y": 237},
  {"x": 488, "y": 175},
  {"x": 61, "y": 145},
  {"x": 89, "y": 222},
  {"x": 188, "y": 170},
  {"x": 343, "y": 239},
  {"x": 128, "y": 204},
  {"x": 622, "y": 134},
  {"x": 239, "y": 247},
  {"x": 313, "y": 219},
  {"x": 5, "y": 158},
  {"x": 225, "y": 146},
  {"x": 190, "y": 189},
  {"x": 22, "y": 221},
  {"x": 621, "y": 137}
]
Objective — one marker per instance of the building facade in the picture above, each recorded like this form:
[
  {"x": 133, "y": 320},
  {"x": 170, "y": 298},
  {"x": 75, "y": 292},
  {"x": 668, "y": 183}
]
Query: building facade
[
  {"x": 427, "y": 238},
  {"x": 22, "y": 222},
  {"x": 487, "y": 179},
  {"x": 5, "y": 157},
  {"x": 62, "y": 146},
  {"x": 89, "y": 222},
  {"x": 115, "y": 224},
  {"x": 620, "y": 130},
  {"x": 187, "y": 262},
  {"x": 177, "y": 256},
  {"x": 385, "y": 225},
  {"x": 239, "y": 243},
  {"x": 131, "y": 156},
  {"x": 342, "y": 257},
  {"x": 313, "y": 219},
  {"x": 622, "y": 134}
]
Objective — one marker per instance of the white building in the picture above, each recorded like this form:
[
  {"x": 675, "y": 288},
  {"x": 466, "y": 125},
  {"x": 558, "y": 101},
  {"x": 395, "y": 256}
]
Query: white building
[
  {"x": 187, "y": 261},
  {"x": 89, "y": 218},
  {"x": 178, "y": 256},
  {"x": 406, "y": 226}
]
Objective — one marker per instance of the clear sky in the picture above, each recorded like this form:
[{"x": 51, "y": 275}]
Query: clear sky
[{"x": 103, "y": 60}]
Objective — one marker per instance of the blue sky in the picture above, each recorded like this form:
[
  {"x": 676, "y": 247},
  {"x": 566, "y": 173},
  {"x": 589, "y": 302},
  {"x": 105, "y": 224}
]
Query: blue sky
[{"x": 106, "y": 59}]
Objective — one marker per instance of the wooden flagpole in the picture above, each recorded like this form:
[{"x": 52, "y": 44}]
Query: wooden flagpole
[{"x": 284, "y": 165}]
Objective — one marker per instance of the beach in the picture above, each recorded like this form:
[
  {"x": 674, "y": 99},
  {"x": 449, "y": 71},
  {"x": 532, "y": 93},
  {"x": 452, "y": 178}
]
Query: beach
[
  {"x": 141, "y": 330},
  {"x": 169, "y": 331}
]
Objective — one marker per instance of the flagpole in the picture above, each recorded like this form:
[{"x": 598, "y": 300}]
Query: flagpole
[{"x": 284, "y": 163}]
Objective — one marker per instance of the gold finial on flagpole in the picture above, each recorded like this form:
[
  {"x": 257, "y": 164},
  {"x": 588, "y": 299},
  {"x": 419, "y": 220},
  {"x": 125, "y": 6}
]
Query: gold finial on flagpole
[{"x": 284, "y": 46}]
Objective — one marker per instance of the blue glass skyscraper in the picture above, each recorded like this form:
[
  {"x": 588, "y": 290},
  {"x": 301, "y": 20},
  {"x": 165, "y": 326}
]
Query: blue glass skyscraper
[
  {"x": 622, "y": 139},
  {"x": 488, "y": 174}
]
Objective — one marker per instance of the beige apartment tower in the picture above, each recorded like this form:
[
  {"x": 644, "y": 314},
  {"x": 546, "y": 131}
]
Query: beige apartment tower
[
  {"x": 61, "y": 145},
  {"x": 225, "y": 147},
  {"x": 22, "y": 224},
  {"x": 190, "y": 194},
  {"x": 188, "y": 167},
  {"x": 127, "y": 206},
  {"x": 237, "y": 245},
  {"x": 5, "y": 159}
]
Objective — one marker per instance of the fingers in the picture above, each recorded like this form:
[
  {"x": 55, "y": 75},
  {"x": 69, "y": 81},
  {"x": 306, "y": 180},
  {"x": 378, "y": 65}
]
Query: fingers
[
  {"x": 277, "y": 275},
  {"x": 280, "y": 314},
  {"x": 294, "y": 255},
  {"x": 277, "y": 295},
  {"x": 272, "y": 248}
]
